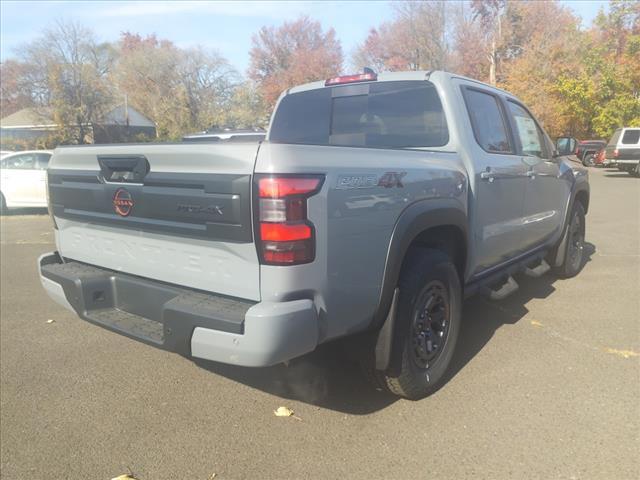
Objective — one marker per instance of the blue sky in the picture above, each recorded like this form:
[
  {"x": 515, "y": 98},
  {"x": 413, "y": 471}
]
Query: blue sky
[{"x": 226, "y": 26}]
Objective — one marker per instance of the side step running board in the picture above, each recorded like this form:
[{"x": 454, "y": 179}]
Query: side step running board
[
  {"x": 542, "y": 268},
  {"x": 504, "y": 291}
]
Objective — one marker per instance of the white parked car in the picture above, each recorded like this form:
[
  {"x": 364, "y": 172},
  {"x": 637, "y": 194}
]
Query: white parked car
[{"x": 22, "y": 179}]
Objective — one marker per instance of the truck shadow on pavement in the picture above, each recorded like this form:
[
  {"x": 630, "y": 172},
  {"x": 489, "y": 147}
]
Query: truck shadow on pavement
[
  {"x": 620, "y": 175},
  {"x": 615, "y": 173},
  {"x": 481, "y": 317},
  {"x": 14, "y": 212},
  {"x": 330, "y": 378}
]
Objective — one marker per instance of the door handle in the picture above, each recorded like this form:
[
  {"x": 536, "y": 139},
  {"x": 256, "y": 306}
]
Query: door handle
[{"x": 489, "y": 176}]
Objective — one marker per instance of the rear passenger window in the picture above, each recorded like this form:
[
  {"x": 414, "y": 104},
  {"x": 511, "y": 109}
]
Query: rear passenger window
[
  {"x": 631, "y": 137},
  {"x": 488, "y": 123}
]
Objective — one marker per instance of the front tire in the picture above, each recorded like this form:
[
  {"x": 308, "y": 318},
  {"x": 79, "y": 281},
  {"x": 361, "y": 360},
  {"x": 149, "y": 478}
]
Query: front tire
[
  {"x": 427, "y": 323},
  {"x": 574, "y": 256},
  {"x": 589, "y": 160}
]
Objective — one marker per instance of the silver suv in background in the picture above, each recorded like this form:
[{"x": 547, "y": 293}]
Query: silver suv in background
[
  {"x": 375, "y": 204},
  {"x": 623, "y": 150}
]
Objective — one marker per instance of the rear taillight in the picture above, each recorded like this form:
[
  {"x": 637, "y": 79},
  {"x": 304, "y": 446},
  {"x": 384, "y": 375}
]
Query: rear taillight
[
  {"x": 285, "y": 234},
  {"x": 578, "y": 152},
  {"x": 616, "y": 153}
]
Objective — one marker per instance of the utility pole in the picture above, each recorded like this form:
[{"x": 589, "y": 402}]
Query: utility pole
[
  {"x": 443, "y": 46},
  {"x": 126, "y": 109}
]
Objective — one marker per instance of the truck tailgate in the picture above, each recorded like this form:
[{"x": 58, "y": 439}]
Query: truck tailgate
[{"x": 178, "y": 213}]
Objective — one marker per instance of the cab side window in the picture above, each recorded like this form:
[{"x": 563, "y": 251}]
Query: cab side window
[
  {"x": 531, "y": 137},
  {"x": 489, "y": 126},
  {"x": 26, "y": 161}
]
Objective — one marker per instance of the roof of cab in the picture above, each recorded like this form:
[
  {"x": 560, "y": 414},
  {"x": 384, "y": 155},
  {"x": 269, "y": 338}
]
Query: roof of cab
[
  {"x": 382, "y": 77},
  {"x": 400, "y": 76}
]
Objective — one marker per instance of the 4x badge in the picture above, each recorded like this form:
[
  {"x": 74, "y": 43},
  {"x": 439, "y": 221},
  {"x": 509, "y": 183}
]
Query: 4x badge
[{"x": 386, "y": 180}]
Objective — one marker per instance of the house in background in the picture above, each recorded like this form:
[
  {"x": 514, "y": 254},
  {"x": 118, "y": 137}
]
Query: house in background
[
  {"x": 121, "y": 124},
  {"x": 26, "y": 125}
]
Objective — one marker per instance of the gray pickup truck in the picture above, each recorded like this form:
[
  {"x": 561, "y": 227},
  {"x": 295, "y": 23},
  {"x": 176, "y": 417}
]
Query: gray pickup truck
[{"x": 374, "y": 206}]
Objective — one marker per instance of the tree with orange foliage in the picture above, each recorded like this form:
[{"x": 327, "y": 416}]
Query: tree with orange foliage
[
  {"x": 546, "y": 51},
  {"x": 603, "y": 92},
  {"x": 414, "y": 40},
  {"x": 15, "y": 90},
  {"x": 181, "y": 90},
  {"x": 293, "y": 53},
  {"x": 469, "y": 40}
]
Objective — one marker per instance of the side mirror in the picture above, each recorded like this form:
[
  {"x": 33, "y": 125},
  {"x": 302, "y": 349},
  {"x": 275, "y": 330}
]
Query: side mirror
[{"x": 565, "y": 146}]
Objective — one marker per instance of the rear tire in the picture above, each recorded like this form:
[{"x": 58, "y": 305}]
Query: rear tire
[
  {"x": 574, "y": 256},
  {"x": 589, "y": 160},
  {"x": 427, "y": 324}
]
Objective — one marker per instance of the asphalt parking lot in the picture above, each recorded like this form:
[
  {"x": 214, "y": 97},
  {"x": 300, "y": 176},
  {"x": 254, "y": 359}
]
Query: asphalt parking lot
[{"x": 545, "y": 385}]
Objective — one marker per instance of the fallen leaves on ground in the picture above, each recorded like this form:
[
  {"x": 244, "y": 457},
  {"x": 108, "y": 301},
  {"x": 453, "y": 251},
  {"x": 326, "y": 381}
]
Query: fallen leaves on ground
[
  {"x": 622, "y": 353},
  {"x": 51, "y": 320},
  {"x": 126, "y": 476},
  {"x": 285, "y": 412}
]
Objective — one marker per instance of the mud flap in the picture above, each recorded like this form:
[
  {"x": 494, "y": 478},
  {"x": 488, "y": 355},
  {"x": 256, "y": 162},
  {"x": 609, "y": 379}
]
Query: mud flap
[{"x": 384, "y": 341}]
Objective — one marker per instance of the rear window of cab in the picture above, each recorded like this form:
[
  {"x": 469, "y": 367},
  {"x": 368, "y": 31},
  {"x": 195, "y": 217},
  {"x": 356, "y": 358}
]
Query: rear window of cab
[{"x": 402, "y": 114}]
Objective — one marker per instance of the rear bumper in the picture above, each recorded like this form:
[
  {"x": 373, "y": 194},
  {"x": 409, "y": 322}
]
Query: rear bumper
[{"x": 185, "y": 321}]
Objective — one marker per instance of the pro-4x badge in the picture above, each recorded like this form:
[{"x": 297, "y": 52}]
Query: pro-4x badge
[
  {"x": 386, "y": 180},
  {"x": 122, "y": 202}
]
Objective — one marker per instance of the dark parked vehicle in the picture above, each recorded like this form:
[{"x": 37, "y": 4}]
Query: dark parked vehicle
[{"x": 587, "y": 150}]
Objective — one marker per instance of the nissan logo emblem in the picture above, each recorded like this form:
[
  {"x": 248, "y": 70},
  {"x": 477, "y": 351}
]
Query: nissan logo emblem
[{"x": 122, "y": 202}]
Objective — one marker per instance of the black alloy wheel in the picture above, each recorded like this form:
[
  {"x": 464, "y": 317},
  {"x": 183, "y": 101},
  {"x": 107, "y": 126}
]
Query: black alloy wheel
[{"x": 430, "y": 325}]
